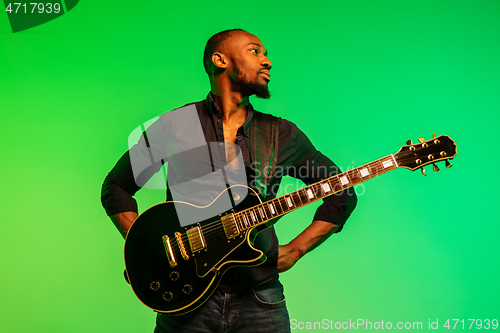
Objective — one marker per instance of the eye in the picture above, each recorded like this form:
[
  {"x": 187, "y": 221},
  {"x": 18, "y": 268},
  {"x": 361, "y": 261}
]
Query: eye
[{"x": 254, "y": 51}]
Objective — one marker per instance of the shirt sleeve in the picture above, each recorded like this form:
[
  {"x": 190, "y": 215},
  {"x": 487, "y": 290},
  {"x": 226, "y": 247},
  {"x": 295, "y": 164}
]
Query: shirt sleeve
[
  {"x": 119, "y": 187},
  {"x": 311, "y": 166},
  {"x": 132, "y": 171}
]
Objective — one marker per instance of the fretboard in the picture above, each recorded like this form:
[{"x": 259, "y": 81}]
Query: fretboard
[{"x": 268, "y": 210}]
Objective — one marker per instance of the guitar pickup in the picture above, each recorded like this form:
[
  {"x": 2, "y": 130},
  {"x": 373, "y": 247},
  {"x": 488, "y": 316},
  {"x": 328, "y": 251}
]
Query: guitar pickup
[
  {"x": 196, "y": 239},
  {"x": 168, "y": 250},
  {"x": 230, "y": 227}
]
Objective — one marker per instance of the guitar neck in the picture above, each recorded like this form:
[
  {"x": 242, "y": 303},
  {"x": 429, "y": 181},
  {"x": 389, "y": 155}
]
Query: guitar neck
[{"x": 268, "y": 210}]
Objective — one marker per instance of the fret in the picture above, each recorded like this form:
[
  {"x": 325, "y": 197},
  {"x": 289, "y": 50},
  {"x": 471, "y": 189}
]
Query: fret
[
  {"x": 283, "y": 205},
  {"x": 289, "y": 202},
  {"x": 333, "y": 185},
  {"x": 271, "y": 208},
  {"x": 320, "y": 190},
  {"x": 344, "y": 180},
  {"x": 374, "y": 169},
  {"x": 381, "y": 170},
  {"x": 295, "y": 202},
  {"x": 245, "y": 218},
  {"x": 253, "y": 216},
  {"x": 310, "y": 194},
  {"x": 395, "y": 162},
  {"x": 316, "y": 190},
  {"x": 300, "y": 199},
  {"x": 239, "y": 221},
  {"x": 364, "y": 172},
  {"x": 355, "y": 176},
  {"x": 303, "y": 196},
  {"x": 257, "y": 214},
  {"x": 387, "y": 163},
  {"x": 280, "y": 206},
  {"x": 262, "y": 213},
  {"x": 266, "y": 211},
  {"x": 326, "y": 187}
]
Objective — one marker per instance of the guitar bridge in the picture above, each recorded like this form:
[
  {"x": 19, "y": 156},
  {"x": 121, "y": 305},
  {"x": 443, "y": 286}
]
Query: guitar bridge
[
  {"x": 182, "y": 248},
  {"x": 168, "y": 250},
  {"x": 196, "y": 239},
  {"x": 230, "y": 227}
]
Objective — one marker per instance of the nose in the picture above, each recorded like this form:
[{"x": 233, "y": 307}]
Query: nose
[{"x": 266, "y": 63}]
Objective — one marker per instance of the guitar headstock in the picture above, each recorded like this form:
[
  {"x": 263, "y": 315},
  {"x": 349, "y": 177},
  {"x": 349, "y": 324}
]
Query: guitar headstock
[{"x": 414, "y": 156}]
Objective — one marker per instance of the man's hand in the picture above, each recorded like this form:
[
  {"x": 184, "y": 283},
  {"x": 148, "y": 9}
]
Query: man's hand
[{"x": 310, "y": 238}]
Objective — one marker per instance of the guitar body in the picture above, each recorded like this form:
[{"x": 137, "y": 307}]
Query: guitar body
[{"x": 168, "y": 276}]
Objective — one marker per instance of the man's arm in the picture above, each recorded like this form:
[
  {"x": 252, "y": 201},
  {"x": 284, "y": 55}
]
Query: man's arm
[
  {"x": 123, "y": 221},
  {"x": 312, "y": 166},
  {"x": 315, "y": 234},
  {"x": 129, "y": 174}
]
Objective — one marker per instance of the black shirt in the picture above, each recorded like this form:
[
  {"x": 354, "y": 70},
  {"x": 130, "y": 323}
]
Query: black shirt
[{"x": 297, "y": 157}]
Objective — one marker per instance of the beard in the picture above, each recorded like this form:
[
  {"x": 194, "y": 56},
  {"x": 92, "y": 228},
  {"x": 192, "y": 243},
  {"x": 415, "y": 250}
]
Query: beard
[{"x": 255, "y": 87}]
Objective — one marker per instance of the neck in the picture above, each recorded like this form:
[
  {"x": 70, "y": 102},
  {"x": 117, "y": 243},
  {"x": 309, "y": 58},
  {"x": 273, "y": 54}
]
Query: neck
[{"x": 232, "y": 104}]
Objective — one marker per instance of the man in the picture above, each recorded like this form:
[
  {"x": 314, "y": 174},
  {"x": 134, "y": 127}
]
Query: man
[{"x": 247, "y": 299}]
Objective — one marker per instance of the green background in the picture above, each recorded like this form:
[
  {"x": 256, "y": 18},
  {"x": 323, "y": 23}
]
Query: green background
[{"x": 360, "y": 78}]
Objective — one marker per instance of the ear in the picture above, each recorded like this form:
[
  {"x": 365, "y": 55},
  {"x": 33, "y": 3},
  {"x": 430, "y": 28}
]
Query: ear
[{"x": 219, "y": 60}]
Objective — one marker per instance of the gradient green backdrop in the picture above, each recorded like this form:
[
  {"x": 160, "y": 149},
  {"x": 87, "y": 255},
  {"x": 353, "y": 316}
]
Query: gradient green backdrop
[{"x": 380, "y": 72}]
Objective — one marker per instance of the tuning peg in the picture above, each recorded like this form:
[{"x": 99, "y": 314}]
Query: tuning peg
[
  {"x": 409, "y": 142},
  {"x": 435, "y": 167},
  {"x": 433, "y": 135},
  {"x": 448, "y": 164},
  {"x": 421, "y": 140},
  {"x": 423, "y": 172}
]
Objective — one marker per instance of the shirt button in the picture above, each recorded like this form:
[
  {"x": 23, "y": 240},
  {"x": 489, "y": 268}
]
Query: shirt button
[
  {"x": 221, "y": 144},
  {"x": 218, "y": 121}
]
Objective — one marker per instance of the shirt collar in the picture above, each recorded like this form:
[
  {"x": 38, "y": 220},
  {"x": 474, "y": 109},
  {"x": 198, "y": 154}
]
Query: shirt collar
[{"x": 212, "y": 108}]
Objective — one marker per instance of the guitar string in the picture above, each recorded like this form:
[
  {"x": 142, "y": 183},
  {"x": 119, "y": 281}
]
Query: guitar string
[
  {"x": 280, "y": 200},
  {"x": 210, "y": 228}
]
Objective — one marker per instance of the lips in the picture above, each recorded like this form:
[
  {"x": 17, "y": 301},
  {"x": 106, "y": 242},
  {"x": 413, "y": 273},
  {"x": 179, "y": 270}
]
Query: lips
[{"x": 267, "y": 74}]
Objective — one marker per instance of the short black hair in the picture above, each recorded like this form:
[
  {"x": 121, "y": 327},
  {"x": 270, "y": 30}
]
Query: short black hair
[{"x": 214, "y": 44}]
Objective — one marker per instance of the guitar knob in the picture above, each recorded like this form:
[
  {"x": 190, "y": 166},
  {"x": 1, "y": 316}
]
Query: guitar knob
[
  {"x": 421, "y": 140},
  {"x": 435, "y": 167},
  {"x": 154, "y": 285},
  {"x": 167, "y": 296},
  {"x": 423, "y": 172},
  {"x": 409, "y": 143},
  {"x": 174, "y": 275},
  {"x": 187, "y": 289},
  {"x": 448, "y": 164}
]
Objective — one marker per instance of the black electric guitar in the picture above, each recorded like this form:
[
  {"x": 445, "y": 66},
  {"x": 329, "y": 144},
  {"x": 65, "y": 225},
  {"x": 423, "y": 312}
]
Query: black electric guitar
[{"x": 174, "y": 269}]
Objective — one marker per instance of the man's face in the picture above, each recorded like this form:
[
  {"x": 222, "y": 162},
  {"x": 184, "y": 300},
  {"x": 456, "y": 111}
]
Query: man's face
[{"x": 249, "y": 67}]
